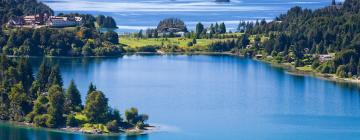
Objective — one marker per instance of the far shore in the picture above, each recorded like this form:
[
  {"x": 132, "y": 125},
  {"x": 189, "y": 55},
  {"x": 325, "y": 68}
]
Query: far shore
[
  {"x": 289, "y": 68},
  {"x": 329, "y": 77}
]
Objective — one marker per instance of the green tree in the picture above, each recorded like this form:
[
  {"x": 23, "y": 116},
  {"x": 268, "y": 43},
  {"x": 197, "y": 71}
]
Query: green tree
[
  {"x": 43, "y": 75},
  {"x": 112, "y": 37},
  {"x": 222, "y": 28},
  {"x": 113, "y": 126},
  {"x": 19, "y": 103},
  {"x": 56, "y": 106},
  {"x": 96, "y": 107},
  {"x": 40, "y": 107},
  {"x": 26, "y": 74},
  {"x": 131, "y": 115},
  {"x": 199, "y": 30},
  {"x": 341, "y": 71},
  {"x": 71, "y": 121},
  {"x": 73, "y": 97},
  {"x": 55, "y": 77},
  {"x": 91, "y": 88}
]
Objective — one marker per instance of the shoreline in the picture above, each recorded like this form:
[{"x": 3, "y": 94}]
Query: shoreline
[
  {"x": 78, "y": 130},
  {"x": 288, "y": 68}
]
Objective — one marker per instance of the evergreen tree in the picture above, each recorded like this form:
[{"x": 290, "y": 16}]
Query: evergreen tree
[
  {"x": 91, "y": 88},
  {"x": 96, "y": 107},
  {"x": 55, "y": 77},
  {"x": 217, "y": 29},
  {"x": 19, "y": 103},
  {"x": 222, "y": 28},
  {"x": 26, "y": 74},
  {"x": 56, "y": 106},
  {"x": 73, "y": 97},
  {"x": 43, "y": 75},
  {"x": 199, "y": 30}
]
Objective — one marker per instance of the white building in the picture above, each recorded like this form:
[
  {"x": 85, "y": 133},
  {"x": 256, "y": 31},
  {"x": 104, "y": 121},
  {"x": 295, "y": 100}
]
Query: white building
[{"x": 55, "y": 21}]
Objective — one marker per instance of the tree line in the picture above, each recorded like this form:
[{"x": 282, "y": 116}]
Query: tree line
[{"x": 302, "y": 35}]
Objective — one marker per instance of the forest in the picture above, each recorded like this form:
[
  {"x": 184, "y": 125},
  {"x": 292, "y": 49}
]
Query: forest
[
  {"x": 84, "y": 40},
  {"x": 300, "y": 34}
]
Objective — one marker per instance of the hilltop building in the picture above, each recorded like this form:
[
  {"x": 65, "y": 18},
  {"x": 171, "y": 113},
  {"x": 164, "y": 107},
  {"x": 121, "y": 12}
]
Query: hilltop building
[{"x": 42, "y": 20}]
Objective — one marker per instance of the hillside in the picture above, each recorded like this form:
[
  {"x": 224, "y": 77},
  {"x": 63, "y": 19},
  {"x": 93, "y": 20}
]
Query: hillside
[
  {"x": 11, "y": 8},
  {"x": 301, "y": 33}
]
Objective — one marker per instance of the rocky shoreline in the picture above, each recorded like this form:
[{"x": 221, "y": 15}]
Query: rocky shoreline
[{"x": 78, "y": 130}]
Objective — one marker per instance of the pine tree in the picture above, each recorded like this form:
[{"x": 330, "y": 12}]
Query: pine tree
[
  {"x": 26, "y": 74},
  {"x": 352, "y": 66},
  {"x": 73, "y": 97},
  {"x": 96, "y": 107},
  {"x": 199, "y": 30},
  {"x": 55, "y": 77},
  {"x": 19, "y": 103},
  {"x": 217, "y": 30},
  {"x": 56, "y": 106},
  {"x": 222, "y": 28},
  {"x": 43, "y": 75},
  {"x": 91, "y": 88}
]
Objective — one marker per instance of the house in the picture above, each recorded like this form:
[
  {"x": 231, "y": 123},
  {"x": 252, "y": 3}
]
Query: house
[
  {"x": 55, "y": 21},
  {"x": 41, "y": 20},
  {"x": 15, "y": 22},
  {"x": 180, "y": 34}
]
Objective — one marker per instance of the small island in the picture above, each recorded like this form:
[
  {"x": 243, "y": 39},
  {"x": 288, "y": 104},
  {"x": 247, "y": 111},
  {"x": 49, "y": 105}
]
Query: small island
[{"x": 42, "y": 101}]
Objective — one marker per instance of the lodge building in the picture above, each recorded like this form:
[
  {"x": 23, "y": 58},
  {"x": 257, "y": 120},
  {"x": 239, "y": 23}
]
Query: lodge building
[{"x": 42, "y": 20}]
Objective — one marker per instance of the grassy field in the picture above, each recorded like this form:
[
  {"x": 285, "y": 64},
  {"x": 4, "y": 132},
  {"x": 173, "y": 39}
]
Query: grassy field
[
  {"x": 305, "y": 68},
  {"x": 181, "y": 42}
]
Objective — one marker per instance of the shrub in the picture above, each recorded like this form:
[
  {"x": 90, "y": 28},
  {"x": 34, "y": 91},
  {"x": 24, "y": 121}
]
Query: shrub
[
  {"x": 71, "y": 121},
  {"x": 113, "y": 126},
  {"x": 41, "y": 120}
]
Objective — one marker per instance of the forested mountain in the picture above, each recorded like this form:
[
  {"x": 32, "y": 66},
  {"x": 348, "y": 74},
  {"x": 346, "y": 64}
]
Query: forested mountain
[
  {"x": 333, "y": 29},
  {"x": 11, "y": 8},
  {"x": 83, "y": 40}
]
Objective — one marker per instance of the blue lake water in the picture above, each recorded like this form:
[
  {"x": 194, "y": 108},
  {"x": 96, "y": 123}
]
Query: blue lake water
[
  {"x": 133, "y": 15},
  {"x": 211, "y": 97}
]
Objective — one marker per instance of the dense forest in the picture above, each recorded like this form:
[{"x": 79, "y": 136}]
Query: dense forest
[
  {"x": 84, "y": 40},
  {"x": 301, "y": 35},
  {"x": 42, "y": 100},
  {"x": 12, "y": 8}
]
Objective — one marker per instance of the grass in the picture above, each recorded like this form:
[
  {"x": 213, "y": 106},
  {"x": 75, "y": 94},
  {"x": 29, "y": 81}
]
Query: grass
[
  {"x": 201, "y": 44},
  {"x": 305, "y": 68},
  {"x": 91, "y": 127},
  {"x": 181, "y": 42},
  {"x": 81, "y": 117}
]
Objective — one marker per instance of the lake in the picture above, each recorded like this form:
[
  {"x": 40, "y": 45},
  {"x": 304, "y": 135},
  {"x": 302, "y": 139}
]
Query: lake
[
  {"x": 133, "y": 15},
  {"x": 210, "y": 97}
]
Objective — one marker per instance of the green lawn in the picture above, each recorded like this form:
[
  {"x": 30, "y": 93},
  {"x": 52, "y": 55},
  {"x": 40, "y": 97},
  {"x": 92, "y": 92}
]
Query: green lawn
[
  {"x": 181, "y": 42},
  {"x": 305, "y": 68}
]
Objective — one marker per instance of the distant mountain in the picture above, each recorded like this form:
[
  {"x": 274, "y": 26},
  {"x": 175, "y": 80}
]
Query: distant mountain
[{"x": 222, "y": 0}]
